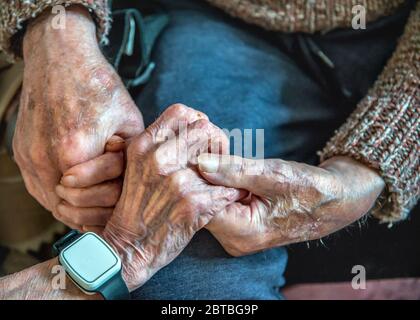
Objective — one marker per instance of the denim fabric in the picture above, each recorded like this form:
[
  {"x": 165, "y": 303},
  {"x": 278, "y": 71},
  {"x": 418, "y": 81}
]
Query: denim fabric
[{"x": 244, "y": 77}]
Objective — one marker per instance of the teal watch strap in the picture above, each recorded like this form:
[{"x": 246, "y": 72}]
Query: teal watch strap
[
  {"x": 65, "y": 241},
  {"x": 115, "y": 289}
]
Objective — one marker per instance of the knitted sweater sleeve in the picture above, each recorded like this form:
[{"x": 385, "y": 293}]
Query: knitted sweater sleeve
[
  {"x": 384, "y": 130},
  {"x": 15, "y": 13}
]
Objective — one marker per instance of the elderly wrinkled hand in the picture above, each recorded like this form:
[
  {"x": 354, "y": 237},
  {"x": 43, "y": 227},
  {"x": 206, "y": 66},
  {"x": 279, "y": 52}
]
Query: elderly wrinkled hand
[
  {"x": 288, "y": 201},
  {"x": 165, "y": 201},
  {"x": 72, "y": 104}
]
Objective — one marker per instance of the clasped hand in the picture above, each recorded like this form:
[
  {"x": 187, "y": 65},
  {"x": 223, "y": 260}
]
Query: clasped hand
[
  {"x": 85, "y": 156},
  {"x": 178, "y": 181}
]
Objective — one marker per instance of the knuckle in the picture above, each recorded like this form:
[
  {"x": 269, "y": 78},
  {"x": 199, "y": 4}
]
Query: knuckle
[
  {"x": 103, "y": 80},
  {"x": 115, "y": 165},
  {"x": 236, "y": 248},
  {"x": 137, "y": 148},
  {"x": 115, "y": 193},
  {"x": 158, "y": 158},
  {"x": 58, "y": 215},
  {"x": 72, "y": 149},
  {"x": 60, "y": 212},
  {"x": 201, "y": 124},
  {"x": 177, "y": 109},
  {"x": 221, "y": 195},
  {"x": 235, "y": 252},
  {"x": 177, "y": 182},
  {"x": 77, "y": 217},
  {"x": 75, "y": 197}
]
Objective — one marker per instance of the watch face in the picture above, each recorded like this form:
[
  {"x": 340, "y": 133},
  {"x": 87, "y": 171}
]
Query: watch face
[{"x": 90, "y": 261}]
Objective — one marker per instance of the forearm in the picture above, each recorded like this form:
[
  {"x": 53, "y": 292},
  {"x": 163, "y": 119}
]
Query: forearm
[{"x": 39, "y": 283}]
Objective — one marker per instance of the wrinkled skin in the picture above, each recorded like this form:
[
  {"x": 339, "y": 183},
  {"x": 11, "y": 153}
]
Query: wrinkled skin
[
  {"x": 283, "y": 202},
  {"x": 165, "y": 201},
  {"x": 72, "y": 104},
  {"x": 288, "y": 201}
]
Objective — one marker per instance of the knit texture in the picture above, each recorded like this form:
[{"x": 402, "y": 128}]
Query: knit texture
[
  {"x": 304, "y": 15},
  {"x": 14, "y": 14},
  {"x": 384, "y": 130}
]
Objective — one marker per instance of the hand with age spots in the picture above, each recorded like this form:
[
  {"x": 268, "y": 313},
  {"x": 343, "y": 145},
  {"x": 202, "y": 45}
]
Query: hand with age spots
[
  {"x": 288, "y": 202},
  {"x": 165, "y": 201},
  {"x": 72, "y": 104}
]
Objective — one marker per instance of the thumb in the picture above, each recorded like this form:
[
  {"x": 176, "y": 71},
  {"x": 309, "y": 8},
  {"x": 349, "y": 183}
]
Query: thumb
[
  {"x": 231, "y": 171},
  {"x": 115, "y": 144}
]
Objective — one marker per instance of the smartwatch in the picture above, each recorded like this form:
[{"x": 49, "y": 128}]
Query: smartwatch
[{"x": 92, "y": 265}]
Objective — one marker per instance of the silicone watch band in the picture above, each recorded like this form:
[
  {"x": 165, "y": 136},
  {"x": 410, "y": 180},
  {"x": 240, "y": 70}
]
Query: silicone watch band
[{"x": 114, "y": 289}]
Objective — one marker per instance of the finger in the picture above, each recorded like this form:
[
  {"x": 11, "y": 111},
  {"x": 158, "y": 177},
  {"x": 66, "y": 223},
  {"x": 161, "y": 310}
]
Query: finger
[
  {"x": 233, "y": 171},
  {"x": 173, "y": 120},
  {"x": 231, "y": 218},
  {"x": 173, "y": 114},
  {"x": 102, "y": 195},
  {"x": 103, "y": 168},
  {"x": 79, "y": 217},
  {"x": 204, "y": 205},
  {"x": 216, "y": 198},
  {"x": 115, "y": 144},
  {"x": 199, "y": 137},
  {"x": 202, "y": 137}
]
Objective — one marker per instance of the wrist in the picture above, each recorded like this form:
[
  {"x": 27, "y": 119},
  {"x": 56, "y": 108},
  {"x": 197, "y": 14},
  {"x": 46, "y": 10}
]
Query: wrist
[
  {"x": 79, "y": 32},
  {"x": 348, "y": 169},
  {"x": 70, "y": 291},
  {"x": 360, "y": 184},
  {"x": 38, "y": 283},
  {"x": 135, "y": 270}
]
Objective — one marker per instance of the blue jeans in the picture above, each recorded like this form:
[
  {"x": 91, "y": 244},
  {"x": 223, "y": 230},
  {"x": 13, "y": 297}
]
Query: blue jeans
[{"x": 244, "y": 77}]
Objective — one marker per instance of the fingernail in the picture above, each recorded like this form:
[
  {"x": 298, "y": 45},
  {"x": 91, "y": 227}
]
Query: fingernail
[
  {"x": 115, "y": 143},
  {"x": 69, "y": 181},
  {"x": 208, "y": 162}
]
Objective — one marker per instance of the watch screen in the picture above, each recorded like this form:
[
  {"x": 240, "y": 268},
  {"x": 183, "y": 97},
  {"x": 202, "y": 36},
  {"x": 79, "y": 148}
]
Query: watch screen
[{"x": 89, "y": 258}]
